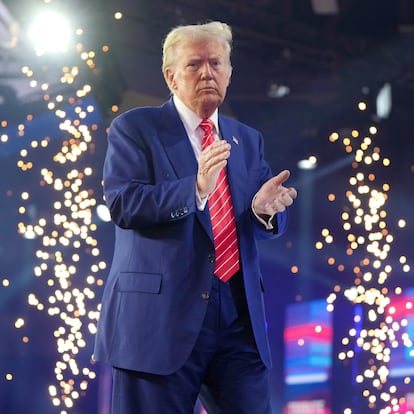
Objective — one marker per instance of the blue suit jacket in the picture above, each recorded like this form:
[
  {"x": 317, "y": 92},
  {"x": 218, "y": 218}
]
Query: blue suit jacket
[{"x": 155, "y": 297}]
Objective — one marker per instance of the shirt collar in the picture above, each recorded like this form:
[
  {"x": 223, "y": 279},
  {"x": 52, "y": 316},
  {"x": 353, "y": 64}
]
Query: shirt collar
[{"x": 190, "y": 119}]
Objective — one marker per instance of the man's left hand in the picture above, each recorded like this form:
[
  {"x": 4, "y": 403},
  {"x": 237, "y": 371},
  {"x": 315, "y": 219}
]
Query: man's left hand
[{"x": 273, "y": 197}]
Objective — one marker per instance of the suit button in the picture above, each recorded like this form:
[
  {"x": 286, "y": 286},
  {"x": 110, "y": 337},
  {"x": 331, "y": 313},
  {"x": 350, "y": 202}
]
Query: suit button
[
  {"x": 205, "y": 295},
  {"x": 211, "y": 258}
]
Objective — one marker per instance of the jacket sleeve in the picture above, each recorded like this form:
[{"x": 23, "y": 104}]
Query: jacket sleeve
[{"x": 140, "y": 186}]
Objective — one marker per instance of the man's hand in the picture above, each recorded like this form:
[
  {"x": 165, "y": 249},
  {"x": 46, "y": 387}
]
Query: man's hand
[
  {"x": 210, "y": 162},
  {"x": 273, "y": 197}
]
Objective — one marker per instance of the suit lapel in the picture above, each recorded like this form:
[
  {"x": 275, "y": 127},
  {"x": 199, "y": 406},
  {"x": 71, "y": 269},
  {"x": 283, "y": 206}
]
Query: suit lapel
[
  {"x": 236, "y": 170},
  {"x": 176, "y": 143},
  {"x": 180, "y": 152}
]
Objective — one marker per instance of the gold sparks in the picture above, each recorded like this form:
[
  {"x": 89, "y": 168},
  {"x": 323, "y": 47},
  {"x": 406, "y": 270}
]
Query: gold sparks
[
  {"x": 368, "y": 242},
  {"x": 68, "y": 259}
]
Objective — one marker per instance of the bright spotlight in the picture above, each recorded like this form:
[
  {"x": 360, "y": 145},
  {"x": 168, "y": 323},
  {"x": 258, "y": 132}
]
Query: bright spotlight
[
  {"x": 50, "y": 32},
  {"x": 103, "y": 213},
  {"x": 309, "y": 163},
  {"x": 384, "y": 101}
]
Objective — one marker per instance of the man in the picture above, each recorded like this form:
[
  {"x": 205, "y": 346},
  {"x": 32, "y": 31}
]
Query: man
[{"x": 172, "y": 323}]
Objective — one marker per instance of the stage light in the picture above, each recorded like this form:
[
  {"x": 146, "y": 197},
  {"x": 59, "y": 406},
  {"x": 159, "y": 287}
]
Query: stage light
[
  {"x": 309, "y": 163},
  {"x": 50, "y": 32},
  {"x": 278, "y": 91},
  {"x": 384, "y": 101},
  {"x": 103, "y": 213}
]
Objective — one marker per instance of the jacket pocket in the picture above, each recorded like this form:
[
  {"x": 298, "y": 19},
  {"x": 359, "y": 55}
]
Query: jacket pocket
[{"x": 139, "y": 282}]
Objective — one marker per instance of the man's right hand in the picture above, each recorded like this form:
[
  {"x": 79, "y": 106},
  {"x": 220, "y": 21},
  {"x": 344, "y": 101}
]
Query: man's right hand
[{"x": 210, "y": 162}]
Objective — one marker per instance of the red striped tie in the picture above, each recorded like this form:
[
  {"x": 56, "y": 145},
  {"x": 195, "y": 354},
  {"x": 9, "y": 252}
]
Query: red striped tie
[{"x": 222, "y": 217}]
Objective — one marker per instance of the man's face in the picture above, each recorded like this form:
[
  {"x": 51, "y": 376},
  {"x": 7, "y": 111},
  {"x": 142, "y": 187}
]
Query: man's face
[{"x": 200, "y": 75}]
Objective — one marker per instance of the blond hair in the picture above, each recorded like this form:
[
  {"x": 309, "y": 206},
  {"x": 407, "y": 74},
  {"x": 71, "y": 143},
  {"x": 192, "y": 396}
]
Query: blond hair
[{"x": 216, "y": 30}]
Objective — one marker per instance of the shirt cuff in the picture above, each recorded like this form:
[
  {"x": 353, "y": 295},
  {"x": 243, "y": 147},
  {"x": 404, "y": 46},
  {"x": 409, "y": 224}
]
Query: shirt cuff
[
  {"x": 201, "y": 202},
  {"x": 268, "y": 224}
]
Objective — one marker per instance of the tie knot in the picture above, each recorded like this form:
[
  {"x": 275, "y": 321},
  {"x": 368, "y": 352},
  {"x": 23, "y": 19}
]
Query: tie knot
[{"x": 207, "y": 126}]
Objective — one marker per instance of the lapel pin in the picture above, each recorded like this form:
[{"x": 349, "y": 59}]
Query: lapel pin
[{"x": 235, "y": 140}]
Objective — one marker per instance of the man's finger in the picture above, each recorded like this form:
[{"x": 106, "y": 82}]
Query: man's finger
[
  {"x": 292, "y": 192},
  {"x": 281, "y": 177}
]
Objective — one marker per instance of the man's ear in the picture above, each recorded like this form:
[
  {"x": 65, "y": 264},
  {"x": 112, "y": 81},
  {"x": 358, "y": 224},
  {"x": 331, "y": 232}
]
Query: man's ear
[
  {"x": 169, "y": 78},
  {"x": 230, "y": 72}
]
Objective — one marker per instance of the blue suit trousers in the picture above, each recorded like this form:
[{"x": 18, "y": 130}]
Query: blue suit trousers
[{"x": 224, "y": 369}]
